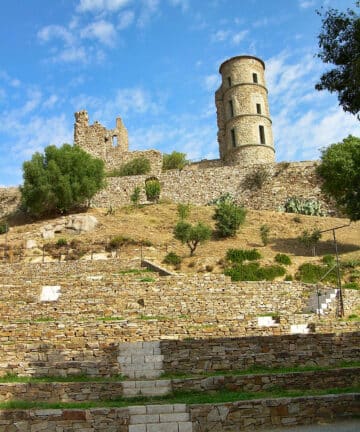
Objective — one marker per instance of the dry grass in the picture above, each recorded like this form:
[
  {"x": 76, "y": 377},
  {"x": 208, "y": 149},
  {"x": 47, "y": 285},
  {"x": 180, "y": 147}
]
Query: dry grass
[{"x": 155, "y": 223}]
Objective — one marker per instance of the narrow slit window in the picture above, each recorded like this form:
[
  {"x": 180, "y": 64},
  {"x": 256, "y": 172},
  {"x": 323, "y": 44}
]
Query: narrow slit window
[
  {"x": 229, "y": 81},
  {"x": 262, "y": 134},
  {"x": 231, "y": 107},
  {"x": 233, "y": 138},
  {"x": 255, "y": 78},
  {"x": 114, "y": 141},
  {"x": 258, "y": 108}
]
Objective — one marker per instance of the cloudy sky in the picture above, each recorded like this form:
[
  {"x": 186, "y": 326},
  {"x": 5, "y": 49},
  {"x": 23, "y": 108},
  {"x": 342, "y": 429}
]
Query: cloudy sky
[{"x": 155, "y": 64}]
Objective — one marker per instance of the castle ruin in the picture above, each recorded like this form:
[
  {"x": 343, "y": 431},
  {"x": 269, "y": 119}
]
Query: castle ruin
[{"x": 244, "y": 135}]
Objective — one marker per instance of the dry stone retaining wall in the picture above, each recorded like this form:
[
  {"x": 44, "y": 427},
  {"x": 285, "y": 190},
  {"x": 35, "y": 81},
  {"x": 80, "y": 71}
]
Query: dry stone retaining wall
[
  {"x": 49, "y": 349},
  {"x": 242, "y": 415},
  {"x": 97, "y": 391}
]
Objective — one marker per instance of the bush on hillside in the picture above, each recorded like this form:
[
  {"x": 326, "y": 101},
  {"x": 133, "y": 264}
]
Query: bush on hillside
[
  {"x": 228, "y": 217},
  {"x": 282, "y": 259},
  {"x": 172, "y": 258},
  {"x": 174, "y": 160},
  {"x": 137, "y": 166},
  {"x": 192, "y": 235},
  {"x": 152, "y": 190},
  {"x": 60, "y": 179},
  {"x": 241, "y": 255},
  {"x": 254, "y": 272}
]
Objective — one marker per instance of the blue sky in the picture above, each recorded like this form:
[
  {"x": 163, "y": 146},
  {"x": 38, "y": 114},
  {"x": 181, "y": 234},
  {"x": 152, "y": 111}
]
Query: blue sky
[{"x": 155, "y": 64}]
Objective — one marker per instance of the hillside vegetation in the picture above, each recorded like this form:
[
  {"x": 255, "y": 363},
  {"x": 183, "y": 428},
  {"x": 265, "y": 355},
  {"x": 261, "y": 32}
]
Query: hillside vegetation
[{"x": 153, "y": 226}]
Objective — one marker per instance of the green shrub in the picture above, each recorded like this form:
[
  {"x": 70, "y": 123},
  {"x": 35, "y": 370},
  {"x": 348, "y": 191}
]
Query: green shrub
[
  {"x": 120, "y": 240},
  {"x": 174, "y": 160},
  {"x": 61, "y": 242},
  {"x": 192, "y": 235},
  {"x": 264, "y": 234},
  {"x": 240, "y": 255},
  {"x": 135, "y": 196},
  {"x": 288, "y": 277},
  {"x": 351, "y": 285},
  {"x": 328, "y": 260},
  {"x": 137, "y": 166},
  {"x": 310, "y": 239},
  {"x": 312, "y": 273},
  {"x": 227, "y": 197},
  {"x": 172, "y": 258},
  {"x": 282, "y": 259},
  {"x": 3, "y": 228},
  {"x": 303, "y": 206},
  {"x": 60, "y": 179},
  {"x": 253, "y": 272},
  {"x": 183, "y": 211},
  {"x": 257, "y": 178},
  {"x": 152, "y": 190},
  {"x": 228, "y": 216}
]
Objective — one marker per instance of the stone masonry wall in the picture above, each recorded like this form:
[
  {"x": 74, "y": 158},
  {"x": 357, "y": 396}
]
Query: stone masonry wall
[
  {"x": 198, "y": 185},
  {"x": 241, "y": 415},
  {"x": 202, "y": 185},
  {"x": 96, "y": 391}
]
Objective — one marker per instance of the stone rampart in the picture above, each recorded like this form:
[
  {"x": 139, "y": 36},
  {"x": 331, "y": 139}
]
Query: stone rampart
[
  {"x": 199, "y": 186},
  {"x": 205, "y": 181}
]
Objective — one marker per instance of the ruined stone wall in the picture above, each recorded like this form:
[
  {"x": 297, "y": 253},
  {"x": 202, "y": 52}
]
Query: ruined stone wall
[
  {"x": 110, "y": 145},
  {"x": 202, "y": 185}
]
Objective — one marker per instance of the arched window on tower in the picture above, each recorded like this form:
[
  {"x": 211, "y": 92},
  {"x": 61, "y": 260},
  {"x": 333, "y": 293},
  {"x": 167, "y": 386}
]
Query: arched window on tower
[
  {"x": 114, "y": 141},
  {"x": 255, "y": 78}
]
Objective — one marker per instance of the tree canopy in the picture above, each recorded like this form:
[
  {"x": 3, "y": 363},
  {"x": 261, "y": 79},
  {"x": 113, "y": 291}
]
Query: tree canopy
[
  {"x": 339, "y": 43},
  {"x": 59, "y": 179},
  {"x": 340, "y": 171},
  {"x": 192, "y": 235}
]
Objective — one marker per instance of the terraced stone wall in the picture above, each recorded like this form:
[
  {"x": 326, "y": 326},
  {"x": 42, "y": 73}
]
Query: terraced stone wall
[{"x": 242, "y": 415}]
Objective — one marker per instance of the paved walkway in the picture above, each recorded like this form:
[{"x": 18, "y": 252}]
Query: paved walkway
[{"x": 342, "y": 426}]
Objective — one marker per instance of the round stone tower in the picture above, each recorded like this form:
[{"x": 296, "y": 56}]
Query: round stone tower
[{"x": 245, "y": 132}]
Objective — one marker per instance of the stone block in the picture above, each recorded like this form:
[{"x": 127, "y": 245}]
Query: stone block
[
  {"x": 137, "y": 428},
  {"x": 144, "y": 418},
  {"x": 174, "y": 417},
  {"x": 162, "y": 427},
  {"x": 185, "y": 427}
]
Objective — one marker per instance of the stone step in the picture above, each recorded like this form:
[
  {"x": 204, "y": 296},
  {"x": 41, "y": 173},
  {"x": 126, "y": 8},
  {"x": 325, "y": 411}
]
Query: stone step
[
  {"x": 146, "y": 388},
  {"x": 141, "y": 359},
  {"x": 160, "y": 418}
]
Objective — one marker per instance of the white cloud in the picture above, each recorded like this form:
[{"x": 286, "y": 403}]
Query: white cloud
[
  {"x": 149, "y": 8},
  {"x": 125, "y": 19},
  {"x": 101, "y": 5},
  {"x": 238, "y": 37},
  {"x": 55, "y": 32},
  {"x": 211, "y": 82},
  {"x": 183, "y": 4},
  {"x": 227, "y": 35},
  {"x": 51, "y": 101},
  {"x": 101, "y": 30},
  {"x": 305, "y": 4},
  {"x": 220, "y": 36},
  {"x": 304, "y": 120}
]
